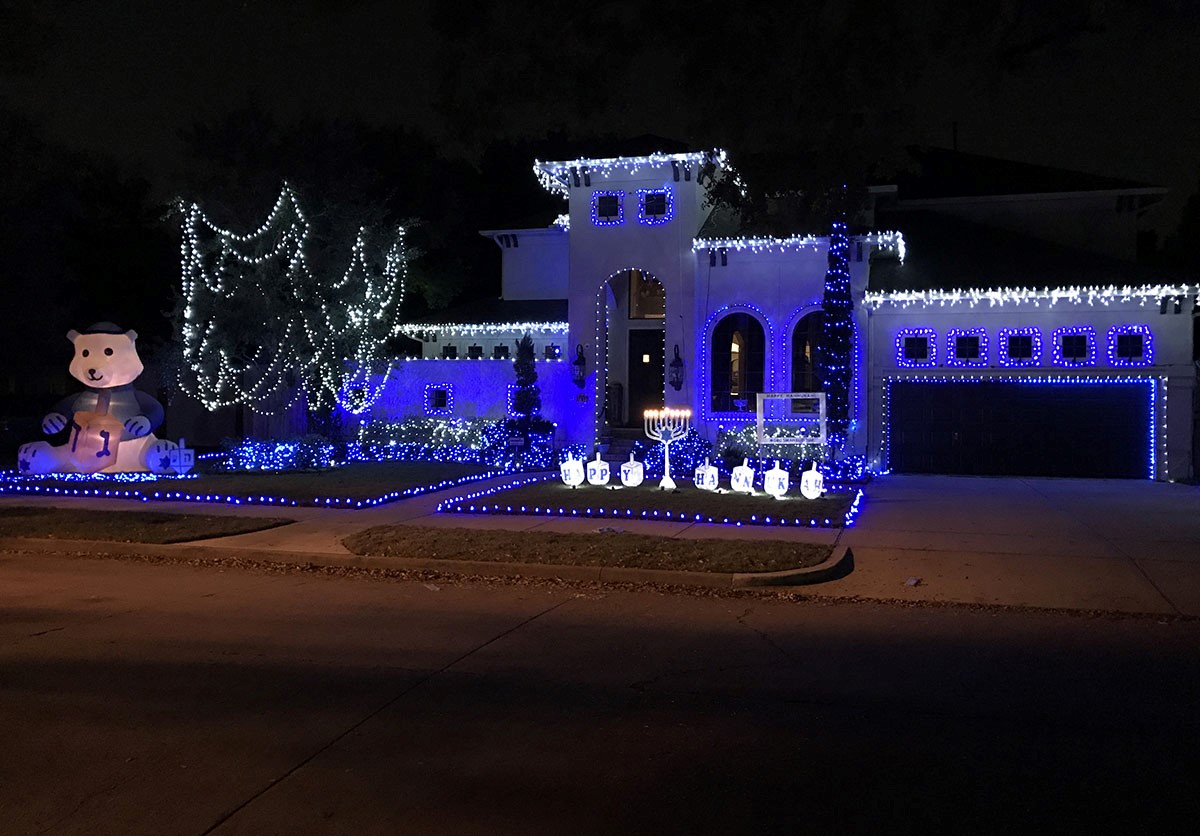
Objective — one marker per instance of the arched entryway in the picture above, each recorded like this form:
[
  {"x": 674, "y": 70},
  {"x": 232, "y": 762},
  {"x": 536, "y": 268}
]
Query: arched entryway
[
  {"x": 737, "y": 373},
  {"x": 630, "y": 324}
]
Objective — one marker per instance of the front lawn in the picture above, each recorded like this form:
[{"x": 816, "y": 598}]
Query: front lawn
[
  {"x": 605, "y": 547},
  {"x": 124, "y": 526},
  {"x": 687, "y": 503},
  {"x": 353, "y": 485}
]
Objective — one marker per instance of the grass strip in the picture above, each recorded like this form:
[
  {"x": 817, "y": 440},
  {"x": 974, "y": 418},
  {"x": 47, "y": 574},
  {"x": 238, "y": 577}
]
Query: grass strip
[
  {"x": 124, "y": 526},
  {"x": 605, "y": 546}
]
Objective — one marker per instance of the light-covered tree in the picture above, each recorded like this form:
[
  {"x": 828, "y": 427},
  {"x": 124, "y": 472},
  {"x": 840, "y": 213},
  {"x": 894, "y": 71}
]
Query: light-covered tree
[{"x": 260, "y": 327}]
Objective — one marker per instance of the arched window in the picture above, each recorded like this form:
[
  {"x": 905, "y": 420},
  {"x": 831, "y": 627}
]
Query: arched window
[
  {"x": 738, "y": 353},
  {"x": 806, "y": 347}
]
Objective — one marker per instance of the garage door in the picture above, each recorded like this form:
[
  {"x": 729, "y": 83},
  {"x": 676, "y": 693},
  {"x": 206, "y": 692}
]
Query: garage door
[{"x": 999, "y": 428}]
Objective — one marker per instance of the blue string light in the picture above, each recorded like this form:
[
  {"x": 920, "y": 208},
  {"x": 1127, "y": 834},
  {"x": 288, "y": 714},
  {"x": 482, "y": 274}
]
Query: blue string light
[
  {"x": 925, "y": 342},
  {"x": 955, "y": 360},
  {"x": 608, "y": 220},
  {"x": 1057, "y": 346},
  {"x": 647, "y": 219},
  {"x": 1145, "y": 357},
  {"x": 1005, "y": 346}
]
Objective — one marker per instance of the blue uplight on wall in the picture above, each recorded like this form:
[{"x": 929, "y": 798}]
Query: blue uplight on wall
[
  {"x": 963, "y": 361},
  {"x": 655, "y": 199},
  {"x": 1073, "y": 346},
  {"x": 439, "y": 399},
  {"x": 1130, "y": 346},
  {"x": 916, "y": 348},
  {"x": 608, "y": 208},
  {"x": 1019, "y": 347}
]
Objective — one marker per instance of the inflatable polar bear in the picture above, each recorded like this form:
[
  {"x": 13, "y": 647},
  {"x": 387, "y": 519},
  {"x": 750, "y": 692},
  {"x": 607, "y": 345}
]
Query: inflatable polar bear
[{"x": 111, "y": 424}]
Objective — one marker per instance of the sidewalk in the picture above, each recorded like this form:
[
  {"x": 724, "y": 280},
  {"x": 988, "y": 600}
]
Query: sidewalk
[{"x": 1102, "y": 545}]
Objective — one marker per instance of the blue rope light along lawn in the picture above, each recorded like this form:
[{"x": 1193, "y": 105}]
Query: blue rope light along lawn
[{"x": 553, "y": 499}]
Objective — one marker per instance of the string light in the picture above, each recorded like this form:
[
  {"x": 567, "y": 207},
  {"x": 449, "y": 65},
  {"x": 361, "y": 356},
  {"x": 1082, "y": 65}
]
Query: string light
[
  {"x": 957, "y": 361},
  {"x": 1006, "y": 345},
  {"x": 558, "y": 177},
  {"x": 468, "y": 504},
  {"x": 1058, "y": 347},
  {"x": 924, "y": 342},
  {"x": 647, "y": 219},
  {"x": 1102, "y": 295},
  {"x": 419, "y": 330},
  {"x": 1156, "y": 390},
  {"x": 1144, "y": 357},
  {"x": 332, "y": 333},
  {"x": 608, "y": 219}
]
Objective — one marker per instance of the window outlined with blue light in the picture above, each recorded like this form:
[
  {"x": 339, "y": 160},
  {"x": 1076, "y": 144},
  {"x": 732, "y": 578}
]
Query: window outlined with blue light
[
  {"x": 916, "y": 348},
  {"x": 1130, "y": 346},
  {"x": 1073, "y": 346},
  {"x": 655, "y": 206},
  {"x": 608, "y": 208},
  {"x": 1019, "y": 347},
  {"x": 438, "y": 400},
  {"x": 959, "y": 345}
]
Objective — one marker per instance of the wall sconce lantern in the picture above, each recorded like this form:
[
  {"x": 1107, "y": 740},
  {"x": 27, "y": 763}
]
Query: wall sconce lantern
[
  {"x": 579, "y": 367},
  {"x": 675, "y": 371}
]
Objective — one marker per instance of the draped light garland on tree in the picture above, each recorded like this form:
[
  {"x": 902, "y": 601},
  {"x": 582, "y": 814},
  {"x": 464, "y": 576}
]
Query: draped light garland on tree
[
  {"x": 258, "y": 326},
  {"x": 837, "y": 338}
]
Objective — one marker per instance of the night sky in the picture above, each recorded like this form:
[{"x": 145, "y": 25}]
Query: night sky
[{"x": 1104, "y": 86}]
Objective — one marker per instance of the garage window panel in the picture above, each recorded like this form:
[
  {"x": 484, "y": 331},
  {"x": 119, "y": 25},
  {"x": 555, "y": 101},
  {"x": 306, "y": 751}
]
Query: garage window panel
[
  {"x": 916, "y": 348},
  {"x": 1074, "y": 346},
  {"x": 966, "y": 348},
  {"x": 1130, "y": 346},
  {"x": 1020, "y": 347}
]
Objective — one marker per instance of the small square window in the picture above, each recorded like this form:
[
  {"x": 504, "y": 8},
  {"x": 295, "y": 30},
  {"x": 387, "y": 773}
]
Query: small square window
[
  {"x": 1074, "y": 346},
  {"x": 475, "y": 352},
  {"x": 500, "y": 352},
  {"x": 553, "y": 352},
  {"x": 449, "y": 352},
  {"x": 438, "y": 399},
  {"x": 656, "y": 203},
  {"x": 1129, "y": 346},
  {"x": 966, "y": 348},
  {"x": 608, "y": 206},
  {"x": 1020, "y": 347},
  {"x": 916, "y": 348}
]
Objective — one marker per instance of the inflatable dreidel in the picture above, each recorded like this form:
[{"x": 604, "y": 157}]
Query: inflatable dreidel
[
  {"x": 812, "y": 483},
  {"x": 742, "y": 478},
  {"x": 706, "y": 477},
  {"x": 632, "y": 472},
  {"x": 598, "y": 472},
  {"x": 572, "y": 471},
  {"x": 776, "y": 481},
  {"x": 95, "y": 436}
]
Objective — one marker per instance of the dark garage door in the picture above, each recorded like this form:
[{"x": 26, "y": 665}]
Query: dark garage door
[{"x": 996, "y": 428}]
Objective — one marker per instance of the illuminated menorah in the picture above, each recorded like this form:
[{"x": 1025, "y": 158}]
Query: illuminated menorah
[{"x": 667, "y": 425}]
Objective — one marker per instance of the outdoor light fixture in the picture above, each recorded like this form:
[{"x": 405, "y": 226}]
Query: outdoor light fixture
[
  {"x": 579, "y": 367},
  {"x": 675, "y": 371}
]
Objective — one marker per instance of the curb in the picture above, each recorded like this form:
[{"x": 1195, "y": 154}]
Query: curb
[{"x": 838, "y": 562}]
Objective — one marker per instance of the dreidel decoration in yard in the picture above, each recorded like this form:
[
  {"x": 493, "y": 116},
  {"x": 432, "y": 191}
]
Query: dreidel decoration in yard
[
  {"x": 598, "y": 472},
  {"x": 667, "y": 425},
  {"x": 812, "y": 483},
  {"x": 632, "y": 472},
  {"x": 572, "y": 471},
  {"x": 742, "y": 478},
  {"x": 707, "y": 477},
  {"x": 776, "y": 481}
]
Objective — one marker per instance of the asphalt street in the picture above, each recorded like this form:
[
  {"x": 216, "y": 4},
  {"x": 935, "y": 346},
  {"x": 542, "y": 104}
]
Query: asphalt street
[{"x": 140, "y": 698}]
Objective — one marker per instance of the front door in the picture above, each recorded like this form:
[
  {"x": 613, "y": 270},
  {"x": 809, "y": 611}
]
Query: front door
[{"x": 645, "y": 373}]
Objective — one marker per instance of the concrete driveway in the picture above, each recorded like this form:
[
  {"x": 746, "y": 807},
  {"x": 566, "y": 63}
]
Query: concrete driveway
[{"x": 1076, "y": 543}]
